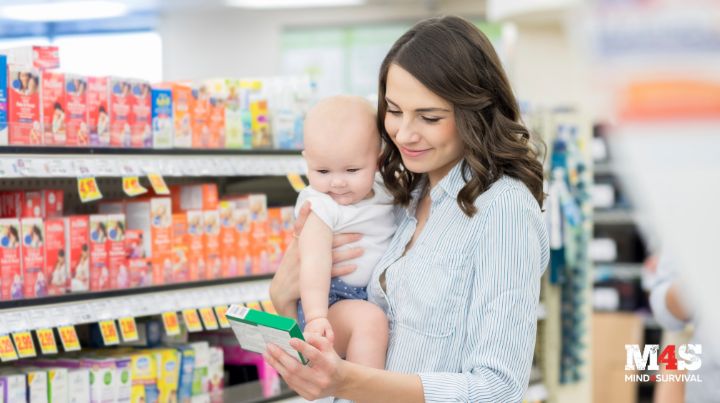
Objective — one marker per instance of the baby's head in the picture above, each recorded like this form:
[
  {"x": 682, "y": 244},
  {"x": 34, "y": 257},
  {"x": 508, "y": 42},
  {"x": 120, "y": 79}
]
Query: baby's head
[{"x": 342, "y": 146}]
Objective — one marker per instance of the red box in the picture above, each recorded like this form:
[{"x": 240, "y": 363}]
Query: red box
[
  {"x": 40, "y": 57},
  {"x": 120, "y": 104},
  {"x": 212, "y": 244},
  {"x": 181, "y": 267},
  {"x": 259, "y": 231},
  {"x": 139, "y": 266},
  {"x": 32, "y": 205},
  {"x": 196, "y": 245},
  {"x": 33, "y": 257},
  {"x": 119, "y": 276},
  {"x": 228, "y": 240},
  {"x": 275, "y": 237},
  {"x": 78, "y": 248},
  {"x": 98, "y": 115},
  {"x": 54, "y": 108},
  {"x": 217, "y": 123},
  {"x": 76, "y": 112},
  {"x": 11, "y": 204},
  {"x": 200, "y": 116},
  {"x": 99, "y": 273},
  {"x": 56, "y": 259},
  {"x": 141, "y": 115},
  {"x": 10, "y": 260},
  {"x": 25, "y": 127},
  {"x": 53, "y": 203}
]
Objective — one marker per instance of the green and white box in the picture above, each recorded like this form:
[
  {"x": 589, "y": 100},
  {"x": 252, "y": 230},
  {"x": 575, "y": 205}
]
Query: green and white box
[{"x": 255, "y": 329}]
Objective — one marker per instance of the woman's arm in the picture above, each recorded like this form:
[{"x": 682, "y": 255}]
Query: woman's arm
[{"x": 665, "y": 298}]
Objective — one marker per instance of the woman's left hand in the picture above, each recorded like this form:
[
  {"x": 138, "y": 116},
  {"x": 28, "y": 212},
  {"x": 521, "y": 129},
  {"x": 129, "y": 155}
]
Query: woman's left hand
[{"x": 322, "y": 376}]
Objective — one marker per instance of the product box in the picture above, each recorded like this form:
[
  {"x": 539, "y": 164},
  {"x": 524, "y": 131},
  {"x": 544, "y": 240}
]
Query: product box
[
  {"x": 33, "y": 257},
  {"x": 276, "y": 237},
  {"x": 200, "y": 115},
  {"x": 242, "y": 229},
  {"x": 123, "y": 379},
  {"x": 154, "y": 217},
  {"x": 39, "y": 57},
  {"x": 187, "y": 366},
  {"x": 76, "y": 116},
  {"x": 57, "y": 385},
  {"x": 53, "y": 203},
  {"x": 37, "y": 385},
  {"x": 216, "y": 123},
  {"x": 260, "y": 124},
  {"x": 31, "y": 205},
  {"x": 52, "y": 96},
  {"x": 144, "y": 374},
  {"x": 162, "y": 118},
  {"x": 228, "y": 239},
  {"x": 56, "y": 259},
  {"x": 15, "y": 387},
  {"x": 197, "y": 264},
  {"x": 168, "y": 366},
  {"x": 201, "y": 382},
  {"x": 98, "y": 112},
  {"x": 120, "y": 106},
  {"x": 12, "y": 204},
  {"x": 10, "y": 259},
  {"x": 24, "y": 123},
  {"x": 102, "y": 378},
  {"x": 139, "y": 266},
  {"x": 212, "y": 244},
  {"x": 78, "y": 248},
  {"x": 3, "y": 101},
  {"x": 119, "y": 275},
  {"x": 180, "y": 249},
  {"x": 78, "y": 385},
  {"x": 215, "y": 374},
  {"x": 195, "y": 197},
  {"x": 228, "y": 90},
  {"x": 99, "y": 273},
  {"x": 259, "y": 233},
  {"x": 141, "y": 135},
  {"x": 181, "y": 100}
]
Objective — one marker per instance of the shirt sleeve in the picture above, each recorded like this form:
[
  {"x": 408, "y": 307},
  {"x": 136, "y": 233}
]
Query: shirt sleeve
[
  {"x": 502, "y": 310},
  {"x": 665, "y": 276},
  {"x": 321, "y": 204}
]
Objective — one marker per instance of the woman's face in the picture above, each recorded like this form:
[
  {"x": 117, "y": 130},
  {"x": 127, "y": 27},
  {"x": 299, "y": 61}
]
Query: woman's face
[{"x": 422, "y": 126}]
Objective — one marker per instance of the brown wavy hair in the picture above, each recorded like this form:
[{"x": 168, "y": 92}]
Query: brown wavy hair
[{"x": 456, "y": 61}]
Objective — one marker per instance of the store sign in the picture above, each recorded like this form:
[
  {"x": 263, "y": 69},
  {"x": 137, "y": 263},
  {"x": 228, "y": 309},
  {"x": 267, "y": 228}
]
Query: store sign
[
  {"x": 24, "y": 344},
  {"x": 221, "y": 311},
  {"x": 158, "y": 184},
  {"x": 128, "y": 329},
  {"x": 88, "y": 189},
  {"x": 46, "y": 338},
  {"x": 69, "y": 338},
  {"x": 685, "y": 357},
  {"x": 171, "y": 323},
  {"x": 208, "y": 318},
  {"x": 7, "y": 349},
  {"x": 132, "y": 186},
  {"x": 109, "y": 332},
  {"x": 192, "y": 320}
]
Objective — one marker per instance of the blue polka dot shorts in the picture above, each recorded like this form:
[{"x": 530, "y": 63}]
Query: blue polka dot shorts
[{"x": 338, "y": 292}]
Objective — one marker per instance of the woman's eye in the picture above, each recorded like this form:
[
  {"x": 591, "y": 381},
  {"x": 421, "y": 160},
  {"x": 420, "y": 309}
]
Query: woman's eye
[
  {"x": 393, "y": 112},
  {"x": 430, "y": 120},
  {"x": 323, "y": 171},
  {"x": 352, "y": 170}
]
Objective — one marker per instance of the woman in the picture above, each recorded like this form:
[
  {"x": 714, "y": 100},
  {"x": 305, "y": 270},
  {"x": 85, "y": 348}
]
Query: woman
[{"x": 460, "y": 281}]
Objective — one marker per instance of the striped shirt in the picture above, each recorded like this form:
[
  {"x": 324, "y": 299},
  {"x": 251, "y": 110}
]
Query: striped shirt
[{"x": 462, "y": 302}]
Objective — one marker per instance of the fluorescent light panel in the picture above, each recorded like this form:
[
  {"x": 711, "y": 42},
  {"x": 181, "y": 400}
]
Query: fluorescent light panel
[
  {"x": 275, "y": 4},
  {"x": 63, "y": 11}
]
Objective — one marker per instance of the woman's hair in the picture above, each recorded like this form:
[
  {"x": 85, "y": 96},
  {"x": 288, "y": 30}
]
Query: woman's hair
[{"x": 454, "y": 60}]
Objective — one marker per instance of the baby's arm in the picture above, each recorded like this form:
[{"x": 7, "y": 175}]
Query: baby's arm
[{"x": 315, "y": 265}]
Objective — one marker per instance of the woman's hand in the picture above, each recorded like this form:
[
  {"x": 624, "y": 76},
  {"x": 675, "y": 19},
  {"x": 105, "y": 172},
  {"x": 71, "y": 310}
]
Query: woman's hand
[
  {"x": 322, "y": 376},
  {"x": 284, "y": 288}
]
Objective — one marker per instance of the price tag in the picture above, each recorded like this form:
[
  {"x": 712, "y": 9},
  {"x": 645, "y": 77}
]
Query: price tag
[
  {"x": 132, "y": 186},
  {"x": 128, "y": 328},
  {"x": 88, "y": 189},
  {"x": 109, "y": 332},
  {"x": 192, "y": 320},
  {"x": 69, "y": 338},
  {"x": 46, "y": 338},
  {"x": 268, "y": 307},
  {"x": 221, "y": 311},
  {"x": 254, "y": 305},
  {"x": 296, "y": 181},
  {"x": 158, "y": 183},
  {"x": 24, "y": 344},
  {"x": 208, "y": 318},
  {"x": 7, "y": 350},
  {"x": 171, "y": 323}
]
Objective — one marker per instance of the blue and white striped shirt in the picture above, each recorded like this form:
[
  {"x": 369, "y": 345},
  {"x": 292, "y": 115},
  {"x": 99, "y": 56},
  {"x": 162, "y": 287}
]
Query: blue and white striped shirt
[{"x": 462, "y": 303}]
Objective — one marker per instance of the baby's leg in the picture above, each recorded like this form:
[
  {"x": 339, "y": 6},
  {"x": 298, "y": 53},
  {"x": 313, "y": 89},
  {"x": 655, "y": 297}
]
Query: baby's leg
[{"x": 361, "y": 332}]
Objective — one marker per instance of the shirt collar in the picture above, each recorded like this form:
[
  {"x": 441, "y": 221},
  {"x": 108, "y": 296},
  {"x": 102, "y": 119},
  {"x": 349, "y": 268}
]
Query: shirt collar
[{"x": 452, "y": 183}]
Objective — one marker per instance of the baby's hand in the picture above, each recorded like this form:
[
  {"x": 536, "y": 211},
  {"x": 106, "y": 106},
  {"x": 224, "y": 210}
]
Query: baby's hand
[{"x": 321, "y": 327}]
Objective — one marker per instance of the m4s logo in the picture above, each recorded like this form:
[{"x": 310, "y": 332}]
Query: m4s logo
[{"x": 684, "y": 357}]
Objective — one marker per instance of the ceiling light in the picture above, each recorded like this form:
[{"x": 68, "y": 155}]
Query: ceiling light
[
  {"x": 63, "y": 11},
  {"x": 271, "y": 4}
]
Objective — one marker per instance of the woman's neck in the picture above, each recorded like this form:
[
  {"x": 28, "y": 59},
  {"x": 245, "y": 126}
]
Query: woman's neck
[{"x": 435, "y": 176}]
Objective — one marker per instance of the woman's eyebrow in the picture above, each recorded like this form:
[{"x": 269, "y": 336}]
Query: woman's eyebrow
[{"x": 419, "y": 109}]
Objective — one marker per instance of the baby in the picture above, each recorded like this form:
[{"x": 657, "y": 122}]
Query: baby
[{"x": 342, "y": 146}]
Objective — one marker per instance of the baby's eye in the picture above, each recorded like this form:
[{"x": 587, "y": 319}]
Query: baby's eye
[
  {"x": 351, "y": 170},
  {"x": 323, "y": 171}
]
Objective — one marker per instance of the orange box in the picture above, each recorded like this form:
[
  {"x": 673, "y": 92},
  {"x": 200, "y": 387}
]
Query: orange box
[
  {"x": 78, "y": 247},
  {"x": 98, "y": 112},
  {"x": 195, "y": 197},
  {"x": 10, "y": 260},
  {"x": 180, "y": 249},
  {"x": 200, "y": 117},
  {"x": 52, "y": 95},
  {"x": 76, "y": 112},
  {"x": 196, "y": 245},
  {"x": 182, "y": 120},
  {"x": 217, "y": 123},
  {"x": 24, "y": 121},
  {"x": 139, "y": 266},
  {"x": 33, "y": 257},
  {"x": 275, "y": 237},
  {"x": 141, "y": 115},
  {"x": 119, "y": 276},
  {"x": 259, "y": 230},
  {"x": 154, "y": 217},
  {"x": 212, "y": 244},
  {"x": 99, "y": 273},
  {"x": 56, "y": 259},
  {"x": 228, "y": 239},
  {"x": 120, "y": 104}
]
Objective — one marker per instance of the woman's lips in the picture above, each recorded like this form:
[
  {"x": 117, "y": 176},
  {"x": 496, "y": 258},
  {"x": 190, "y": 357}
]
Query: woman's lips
[{"x": 413, "y": 153}]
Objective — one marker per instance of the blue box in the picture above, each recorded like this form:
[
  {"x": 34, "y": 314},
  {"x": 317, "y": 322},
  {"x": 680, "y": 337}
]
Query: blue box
[{"x": 162, "y": 118}]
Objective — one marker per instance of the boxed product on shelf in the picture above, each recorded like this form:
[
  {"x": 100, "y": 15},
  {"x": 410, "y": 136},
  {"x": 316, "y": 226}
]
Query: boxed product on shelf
[
  {"x": 139, "y": 266},
  {"x": 3, "y": 101},
  {"x": 76, "y": 117},
  {"x": 153, "y": 216},
  {"x": 215, "y": 374},
  {"x": 216, "y": 123},
  {"x": 228, "y": 239},
  {"x": 211, "y": 221},
  {"x": 56, "y": 259},
  {"x": 201, "y": 382},
  {"x": 260, "y": 125},
  {"x": 37, "y": 384},
  {"x": 259, "y": 233},
  {"x": 197, "y": 265},
  {"x": 141, "y": 115},
  {"x": 25, "y": 127},
  {"x": 276, "y": 237},
  {"x": 10, "y": 259},
  {"x": 194, "y": 197},
  {"x": 162, "y": 118},
  {"x": 79, "y": 385},
  {"x": 242, "y": 227},
  {"x": 185, "y": 378},
  {"x": 33, "y": 257},
  {"x": 180, "y": 249},
  {"x": 119, "y": 276},
  {"x": 52, "y": 97},
  {"x": 57, "y": 385},
  {"x": 11, "y": 203},
  {"x": 168, "y": 365},
  {"x": 31, "y": 204},
  {"x": 98, "y": 111},
  {"x": 182, "y": 118},
  {"x": 228, "y": 91},
  {"x": 14, "y": 387},
  {"x": 102, "y": 378},
  {"x": 53, "y": 203},
  {"x": 99, "y": 274},
  {"x": 39, "y": 57},
  {"x": 199, "y": 115},
  {"x": 78, "y": 241},
  {"x": 120, "y": 107},
  {"x": 144, "y": 376},
  {"x": 34, "y": 203}
]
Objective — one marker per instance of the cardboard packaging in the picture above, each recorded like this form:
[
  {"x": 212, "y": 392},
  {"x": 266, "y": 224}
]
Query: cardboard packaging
[
  {"x": 259, "y": 233},
  {"x": 37, "y": 385},
  {"x": 57, "y": 385},
  {"x": 76, "y": 116},
  {"x": 216, "y": 123},
  {"x": 120, "y": 104},
  {"x": 31, "y": 205},
  {"x": 228, "y": 239},
  {"x": 181, "y": 99},
  {"x": 275, "y": 237},
  {"x": 242, "y": 232},
  {"x": 119, "y": 275},
  {"x": 139, "y": 266},
  {"x": 99, "y": 273},
  {"x": 196, "y": 245},
  {"x": 25, "y": 126},
  {"x": 141, "y": 115},
  {"x": 154, "y": 217},
  {"x": 98, "y": 112},
  {"x": 39, "y": 57},
  {"x": 181, "y": 265},
  {"x": 200, "y": 115},
  {"x": 56, "y": 259},
  {"x": 10, "y": 260},
  {"x": 3, "y": 101},
  {"x": 15, "y": 387},
  {"x": 53, "y": 203},
  {"x": 78, "y": 248},
  {"x": 212, "y": 244},
  {"x": 54, "y": 108},
  {"x": 33, "y": 257},
  {"x": 162, "y": 118},
  {"x": 195, "y": 197}
]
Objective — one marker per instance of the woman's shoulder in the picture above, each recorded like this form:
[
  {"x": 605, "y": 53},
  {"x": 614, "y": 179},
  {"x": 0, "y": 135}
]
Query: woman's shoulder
[{"x": 507, "y": 195}]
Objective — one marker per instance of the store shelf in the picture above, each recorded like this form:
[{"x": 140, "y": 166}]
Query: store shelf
[
  {"x": 56, "y": 162},
  {"x": 618, "y": 270},
  {"x": 76, "y": 309},
  {"x": 249, "y": 392},
  {"x": 613, "y": 217}
]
